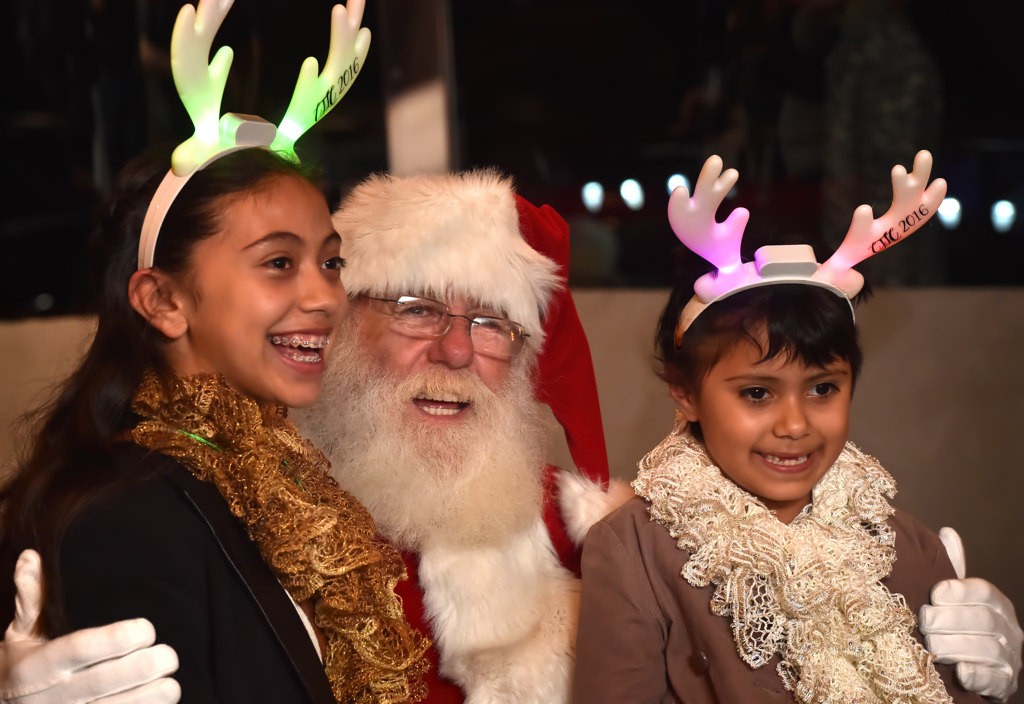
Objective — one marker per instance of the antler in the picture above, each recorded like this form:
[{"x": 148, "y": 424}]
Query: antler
[
  {"x": 200, "y": 85},
  {"x": 693, "y": 221},
  {"x": 317, "y": 93},
  {"x": 912, "y": 206}
]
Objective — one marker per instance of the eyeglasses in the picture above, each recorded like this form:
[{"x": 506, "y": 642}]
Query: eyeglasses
[{"x": 429, "y": 319}]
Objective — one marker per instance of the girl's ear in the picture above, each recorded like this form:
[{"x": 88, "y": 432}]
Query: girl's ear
[
  {"x": 157, "y": 298},
  {"x": 684, "y": 403}
]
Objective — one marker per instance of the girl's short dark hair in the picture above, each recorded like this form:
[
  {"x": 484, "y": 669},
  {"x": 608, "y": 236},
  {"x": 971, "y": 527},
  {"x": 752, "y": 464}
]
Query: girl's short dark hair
[{"x": 805, "y": 323}]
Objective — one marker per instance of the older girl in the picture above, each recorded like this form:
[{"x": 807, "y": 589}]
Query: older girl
[{"x": 165, "y": 480}]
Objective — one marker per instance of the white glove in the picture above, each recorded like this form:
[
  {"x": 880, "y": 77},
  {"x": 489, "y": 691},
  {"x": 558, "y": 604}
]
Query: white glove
[
  {"x": 973, "y": 625},
  {"x": 115, "y": 664}
]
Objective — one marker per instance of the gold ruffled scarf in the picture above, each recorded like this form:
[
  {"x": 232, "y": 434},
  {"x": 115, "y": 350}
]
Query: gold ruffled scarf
[
  {"x": 318, "y": 540},
  {"x": 810, "y": 591}
]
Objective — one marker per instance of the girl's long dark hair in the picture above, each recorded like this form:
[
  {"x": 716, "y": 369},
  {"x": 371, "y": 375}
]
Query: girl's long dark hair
[{"x": 68, "y": 461}]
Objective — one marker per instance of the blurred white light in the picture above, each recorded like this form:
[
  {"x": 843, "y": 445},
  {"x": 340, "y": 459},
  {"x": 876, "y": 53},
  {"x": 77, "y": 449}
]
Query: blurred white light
[
  {"x": 950, "y": 213},
  {"x": 677, "y": 180},
  {"x": 1003, "y": 215},
  {"x": 593, "y": 196},
  {"x": 632, "y": 193},
  {"x": 44, "y": 301}
]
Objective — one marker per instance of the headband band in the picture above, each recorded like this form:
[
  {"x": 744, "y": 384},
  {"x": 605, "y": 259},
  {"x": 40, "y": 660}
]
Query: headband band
[
  {"x": 693, "y": 221},
  {"x": 201, "y": 86}
]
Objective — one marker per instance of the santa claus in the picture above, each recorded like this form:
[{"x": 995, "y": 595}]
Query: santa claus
[{"x": 461, "y": 325}]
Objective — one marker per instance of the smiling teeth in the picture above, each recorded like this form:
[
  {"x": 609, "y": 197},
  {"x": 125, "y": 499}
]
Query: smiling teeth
[
  {"x": 444, "y": 398},
  {"x": 437, "y": 411},
  {"x": 787, "y": 462},
  {"x": 310, "y": 342},
  {"x": 428, "y": 407}
]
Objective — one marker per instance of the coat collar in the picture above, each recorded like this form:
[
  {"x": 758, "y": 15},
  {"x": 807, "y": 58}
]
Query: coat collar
[{"x": 269, "y": 596}]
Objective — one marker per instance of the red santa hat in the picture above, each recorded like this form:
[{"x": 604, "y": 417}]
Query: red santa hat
[{"x": 469, "y": 234}]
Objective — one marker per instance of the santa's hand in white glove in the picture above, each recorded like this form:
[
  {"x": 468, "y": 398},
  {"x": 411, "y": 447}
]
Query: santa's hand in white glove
[
  {"x": 971, "y": 624},
  {"x": 115, "y": 664}
]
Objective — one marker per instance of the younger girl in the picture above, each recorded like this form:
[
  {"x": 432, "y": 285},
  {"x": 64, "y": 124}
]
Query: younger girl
[
  {"x": 165, "y": 480},
  {"x": 761, "y": 560}
]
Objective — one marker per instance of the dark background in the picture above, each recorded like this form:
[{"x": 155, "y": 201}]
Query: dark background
[{"x": 813, "y": 102}]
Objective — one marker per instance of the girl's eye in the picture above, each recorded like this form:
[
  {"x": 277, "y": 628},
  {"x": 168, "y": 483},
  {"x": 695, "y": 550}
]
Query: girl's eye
[
  {"x": 336, "y": 263},
  {"x": 825, "y": 388},
  {"x": 280, "y": 263},
  {"x": 754, "y": 393}
]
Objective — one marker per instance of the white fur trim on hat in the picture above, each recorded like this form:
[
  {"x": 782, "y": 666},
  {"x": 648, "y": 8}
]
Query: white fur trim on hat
[{"x": 442, "y": 236}]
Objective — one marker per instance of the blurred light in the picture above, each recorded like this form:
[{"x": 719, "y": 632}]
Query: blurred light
[
  {"x": 1003, "y": 215},
  {"x": 43, "y": 302},
  {"x": 632, "y": 193},
  {"x": 950, "y": 213},
  {"x": 677, "y": 180},
  {"x": 593, "y": 196}
]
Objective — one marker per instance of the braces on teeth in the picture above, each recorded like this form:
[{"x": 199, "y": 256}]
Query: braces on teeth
[{"x": 299, "y": 341}]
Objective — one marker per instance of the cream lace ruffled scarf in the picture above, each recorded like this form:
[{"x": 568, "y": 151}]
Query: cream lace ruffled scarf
[{"x": 810, "y": 591}]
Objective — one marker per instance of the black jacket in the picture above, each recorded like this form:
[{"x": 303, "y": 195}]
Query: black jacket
[{"x": 167, "y": 548}]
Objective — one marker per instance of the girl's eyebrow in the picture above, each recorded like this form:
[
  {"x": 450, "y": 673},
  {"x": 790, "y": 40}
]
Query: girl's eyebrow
[
  {"x": 827, "y": 372},
  {"x": 753, "y": 378},
  {"x": 272, "y": 238},
  {"x": 831, "y": 372},
  {"x": 282, "y": 236}
]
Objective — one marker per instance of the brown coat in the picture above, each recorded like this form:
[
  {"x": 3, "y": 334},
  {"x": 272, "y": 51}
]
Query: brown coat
[{"x": 647, "y": 635}]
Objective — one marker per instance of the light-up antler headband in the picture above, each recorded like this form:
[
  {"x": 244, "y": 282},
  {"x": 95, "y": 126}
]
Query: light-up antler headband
[
  {"x": 201, "y": 87},
  {"x": 693, "y": 221}
]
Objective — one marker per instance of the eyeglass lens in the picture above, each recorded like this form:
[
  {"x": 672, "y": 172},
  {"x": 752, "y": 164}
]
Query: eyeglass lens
[{"x": 427, "y": 318}]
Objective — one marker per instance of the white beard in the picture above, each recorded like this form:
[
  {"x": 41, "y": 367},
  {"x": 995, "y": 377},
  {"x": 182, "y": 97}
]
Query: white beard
[
  {"x": 467, "y": 483},
  {"x": 467, "y": 497}
]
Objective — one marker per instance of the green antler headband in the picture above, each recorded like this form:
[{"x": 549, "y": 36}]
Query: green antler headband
[{"x": 200, "y": 85}]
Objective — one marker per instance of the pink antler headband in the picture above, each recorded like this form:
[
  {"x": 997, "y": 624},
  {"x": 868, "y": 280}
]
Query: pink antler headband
[
  {"x": 200, "y": 85},
  {"x": 693, "y": 220}
]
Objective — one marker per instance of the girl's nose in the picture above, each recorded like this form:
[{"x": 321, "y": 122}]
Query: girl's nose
[
  {"x": 791, "y": 421},
  {"x": 323, "y": 292}
]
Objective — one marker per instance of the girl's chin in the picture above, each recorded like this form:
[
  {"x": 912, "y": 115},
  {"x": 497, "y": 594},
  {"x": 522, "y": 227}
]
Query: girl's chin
[{"x": 292, "y": 393}]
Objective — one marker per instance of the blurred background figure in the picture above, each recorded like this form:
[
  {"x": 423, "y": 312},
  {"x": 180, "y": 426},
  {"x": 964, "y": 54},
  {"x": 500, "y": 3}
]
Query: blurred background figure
[
  {"x": 884, "y": 101},
  {"x": 119, "y": 117}
]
